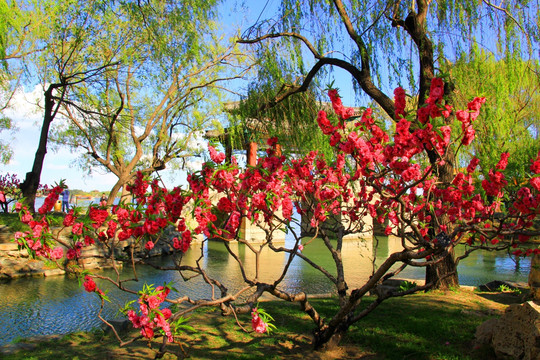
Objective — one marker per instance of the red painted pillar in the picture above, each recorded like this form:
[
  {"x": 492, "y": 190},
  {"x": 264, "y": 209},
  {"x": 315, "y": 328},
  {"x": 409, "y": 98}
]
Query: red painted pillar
[
  {"x": 278, "y": 150},
  {"x": 252, "y": 154}
]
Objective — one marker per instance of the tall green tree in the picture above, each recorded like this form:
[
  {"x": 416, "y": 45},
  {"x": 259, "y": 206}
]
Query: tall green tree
[
  {"x": 134, "y": 82},
  {"x": 144, "y": 114},
  {"x": 15, "y": 27},
  {"x": 383, "y": 44},
  {"x": 53, "y": 62},
  {"x": 510, "y": 119}
]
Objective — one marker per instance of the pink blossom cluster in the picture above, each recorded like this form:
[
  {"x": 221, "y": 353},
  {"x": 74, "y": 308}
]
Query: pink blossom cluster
[
  {"x": 50, "y": 200},
  {"x": 434, "y": 106},
  {"x": 37, "y": 241},
  {"x": 389, "y": 184},
  {"x": 151, "y": 317},
  {"x": 9, "y": 184},
  {"x": 466, "y": 117},
  {"x": 399, "y": 102},
  {"x": 257, "y": 323},
  {"x": 319, "y": 189},
  {"x": 139, "y": 187},
  {"x": 159, "y": 209},
  {"x": 462, "y": 201},
  {"x": 216, "y": 157},
  {"x": 341, "y": 111}
]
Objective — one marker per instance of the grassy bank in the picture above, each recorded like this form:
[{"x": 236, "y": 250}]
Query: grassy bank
[{"x": 435, "y": 325}]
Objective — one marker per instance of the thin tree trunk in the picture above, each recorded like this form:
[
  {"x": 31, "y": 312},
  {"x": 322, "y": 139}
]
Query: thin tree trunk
[
  {"x": 114, "y": 191},
  {"x": 126, "y": 195},
  {"x": 120, "y": 185},
  {"x": 30, "y": 185}
]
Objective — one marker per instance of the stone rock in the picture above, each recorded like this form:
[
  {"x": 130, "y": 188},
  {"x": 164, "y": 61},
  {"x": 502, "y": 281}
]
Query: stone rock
[
  {"x": 484, "y": 332},
  {"x": 7, "y": 268},
  {"x": 33, "y": 266},
  {"x": 28, "y": 344},
  {"x": 17, "y": 254},
  {"x": 516, "y": 334},
  {"x": 53, "y": 272},
  {"x": 10, "y": 349},
  {"x": 11, "y": 246},
  {"x": 121, "y": 326},
  {"x": 382, "y": 290},
  {"x": 534, "y": 278}
]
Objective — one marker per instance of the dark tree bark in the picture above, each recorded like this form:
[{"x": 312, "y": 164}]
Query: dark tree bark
[
  {"x": 30, "y": 185},
  {"x": 53, "y": 102},
  {"x": 444, "y": 273}
]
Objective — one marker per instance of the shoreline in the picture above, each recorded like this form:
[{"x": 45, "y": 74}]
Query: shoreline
[{"x": 449, "y": 307}]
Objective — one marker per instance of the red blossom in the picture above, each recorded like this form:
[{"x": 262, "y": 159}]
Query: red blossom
[
  {"x": 473, "y": 164},
  {"x": 324, "y": 124},
  {"x": 503, "y": 162},
  {"x": 535, "y": 183},
  {"x": 69, "y": 219},
  {"x": 98, "y": 216},
  {"x": 257, "y": 323},
  {"x": 535, "y": 166},
  {"x": 50, "y": 200},
  {"x": 89, "y": 284},
  {"x": 149, "y": 245},
  {"x": 399, "y": 102},
  {"x": 215, "y": 156}
]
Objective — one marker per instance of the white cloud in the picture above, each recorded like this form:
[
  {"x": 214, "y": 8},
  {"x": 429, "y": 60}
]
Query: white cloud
[
  {"x": 28, "y": 118},
  {"x": 24, "y": 109}
]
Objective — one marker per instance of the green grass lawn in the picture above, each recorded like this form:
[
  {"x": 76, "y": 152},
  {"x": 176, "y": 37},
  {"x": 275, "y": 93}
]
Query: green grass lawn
[{"x": 435, "y": 325}]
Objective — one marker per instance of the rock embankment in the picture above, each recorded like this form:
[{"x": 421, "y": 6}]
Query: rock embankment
[
  {"x": 516, "y": 335},
  {"x": 15, "y": 263}
]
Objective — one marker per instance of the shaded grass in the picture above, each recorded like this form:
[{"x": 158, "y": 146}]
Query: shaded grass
[
  {"x": 422, "y": 327},
  {"x": 436, "y": 325}
]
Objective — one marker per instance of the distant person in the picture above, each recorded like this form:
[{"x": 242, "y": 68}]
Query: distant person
[
  {"x": 65, "y": 200},
  {"x": 103, "y": 200}
]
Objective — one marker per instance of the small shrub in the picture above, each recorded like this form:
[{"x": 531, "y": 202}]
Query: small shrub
[{"x": 406, "y": 285}]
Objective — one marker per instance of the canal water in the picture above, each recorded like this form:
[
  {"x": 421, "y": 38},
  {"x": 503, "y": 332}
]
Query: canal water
[{"x": 56, "y": 305}]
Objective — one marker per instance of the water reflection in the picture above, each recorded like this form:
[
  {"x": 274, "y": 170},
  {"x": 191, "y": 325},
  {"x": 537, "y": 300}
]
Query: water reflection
[{"x": 38, "y": 306}]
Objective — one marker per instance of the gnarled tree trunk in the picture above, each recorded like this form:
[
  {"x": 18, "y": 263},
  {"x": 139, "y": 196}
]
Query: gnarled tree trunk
[{"x": 444, "y": 273}]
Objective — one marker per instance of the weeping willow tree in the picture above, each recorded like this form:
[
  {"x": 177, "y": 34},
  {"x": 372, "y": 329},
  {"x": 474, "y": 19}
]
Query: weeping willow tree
[
  {"x": 383, "y": 44},
  {"x": 510, "y": 119},
  {"x": 13, "y": 28},
  {"x": 291, "y": 121}
]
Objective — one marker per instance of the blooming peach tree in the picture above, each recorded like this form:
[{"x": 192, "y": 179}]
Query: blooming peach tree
[
  {"x": 374, "y": 175},
  {"x": 9, "y": 190}
]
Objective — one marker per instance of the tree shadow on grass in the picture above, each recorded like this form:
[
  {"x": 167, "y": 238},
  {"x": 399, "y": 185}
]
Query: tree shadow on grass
[{"x": 422, "y": 326}]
